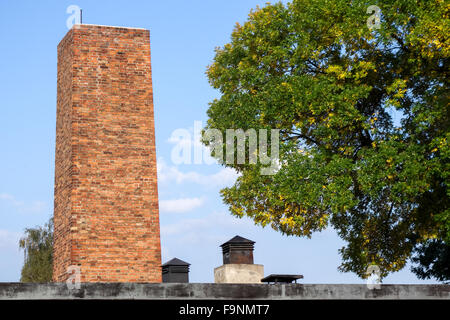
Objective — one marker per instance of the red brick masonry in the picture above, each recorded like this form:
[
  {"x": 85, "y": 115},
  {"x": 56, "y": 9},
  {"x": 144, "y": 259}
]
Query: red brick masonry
[{"x": 106, "y": 201}]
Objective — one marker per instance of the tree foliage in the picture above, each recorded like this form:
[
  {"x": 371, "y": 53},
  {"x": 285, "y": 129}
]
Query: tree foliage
[
  {"x": 38, "y": 251},
  {"x": 432, "y": 260},
  {"x": 363, "y": 121}
]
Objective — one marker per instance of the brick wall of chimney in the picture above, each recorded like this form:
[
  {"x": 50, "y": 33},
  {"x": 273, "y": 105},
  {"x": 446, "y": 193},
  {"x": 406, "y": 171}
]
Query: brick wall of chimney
[{"x": 106, "y": 215}]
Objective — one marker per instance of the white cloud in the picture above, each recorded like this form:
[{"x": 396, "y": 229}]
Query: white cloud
[
  {"x": 37, "y": 206},
  {"x": 185, "y": 225},
  {"x": 218, "y": 225},
  {"x": 11, "y": 199},
  {"x": 188, "y": 147},
  {"x": 183, "y": 137},
  {"x": 180, "y": 205},
  {"x": 166, "y": 173},
  {"x": 34, "y": 207},
  {"x": 9, "y": 239}
]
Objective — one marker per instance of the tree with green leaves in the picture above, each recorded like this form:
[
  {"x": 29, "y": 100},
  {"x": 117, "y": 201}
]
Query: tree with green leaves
[
  {"x": 38, "y": 250},
  {"x": 432, "y": 260},
  {"x": 363, "y": 116}
]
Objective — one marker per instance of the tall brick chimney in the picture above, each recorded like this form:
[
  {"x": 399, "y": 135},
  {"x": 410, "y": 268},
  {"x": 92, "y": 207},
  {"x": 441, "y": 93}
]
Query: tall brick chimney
[{"x": 106, "y": 216}]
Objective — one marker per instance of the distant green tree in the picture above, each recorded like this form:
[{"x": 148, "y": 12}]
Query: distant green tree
[{"x": 38, "y": 246}]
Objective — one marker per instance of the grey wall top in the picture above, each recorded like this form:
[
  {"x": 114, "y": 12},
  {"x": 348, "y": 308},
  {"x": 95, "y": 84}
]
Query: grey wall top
[{"x": 188, "y": 291}]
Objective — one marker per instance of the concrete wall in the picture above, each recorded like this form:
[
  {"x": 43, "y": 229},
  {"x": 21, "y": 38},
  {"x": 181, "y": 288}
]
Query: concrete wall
[
  {"x": 239, "y": 273},
  {"x": 190, "y": 291}
]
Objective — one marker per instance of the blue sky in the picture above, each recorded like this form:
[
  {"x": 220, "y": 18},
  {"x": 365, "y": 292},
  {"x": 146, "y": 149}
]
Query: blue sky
[{"x": 194, "y": 222}]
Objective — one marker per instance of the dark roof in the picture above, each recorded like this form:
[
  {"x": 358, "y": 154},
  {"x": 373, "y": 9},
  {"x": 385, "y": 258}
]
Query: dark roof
[
  {"x": 176, "y": 262},
  {"x": 282, "y": 278},
  {"x": 238, "y": 239}
]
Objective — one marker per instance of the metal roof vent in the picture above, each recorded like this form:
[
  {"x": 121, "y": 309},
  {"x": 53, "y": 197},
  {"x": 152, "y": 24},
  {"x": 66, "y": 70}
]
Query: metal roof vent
[
  {"x": 175, "y": 270},
  {"x": 238, "y": 250}
]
